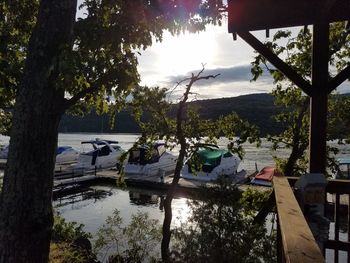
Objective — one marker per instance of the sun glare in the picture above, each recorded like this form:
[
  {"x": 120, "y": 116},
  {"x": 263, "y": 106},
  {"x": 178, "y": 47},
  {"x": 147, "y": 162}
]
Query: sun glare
[{"x": 179, "y": 55}]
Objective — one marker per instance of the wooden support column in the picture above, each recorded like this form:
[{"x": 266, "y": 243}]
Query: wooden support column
[{"x": 319, "y": 97}]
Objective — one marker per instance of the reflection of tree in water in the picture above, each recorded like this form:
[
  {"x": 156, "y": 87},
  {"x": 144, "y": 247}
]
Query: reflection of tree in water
[
  {"x": 81, "y": 195},
  {"x": 144, "y": 199},
  {"x": 221, "y": 229}
]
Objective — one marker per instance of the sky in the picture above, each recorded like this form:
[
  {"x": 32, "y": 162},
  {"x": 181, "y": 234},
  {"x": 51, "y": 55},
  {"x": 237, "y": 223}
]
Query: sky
[{"x": 176, "y": 57}]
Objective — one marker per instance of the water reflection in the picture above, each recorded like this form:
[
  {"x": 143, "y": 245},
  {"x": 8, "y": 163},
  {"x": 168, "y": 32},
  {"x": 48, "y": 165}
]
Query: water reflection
[
  {"x": 145, "y": 198},
  {"x": 91, "y": 205},
  {"x": 210, "y": 214},
  {"x": 79, "y": 196}
]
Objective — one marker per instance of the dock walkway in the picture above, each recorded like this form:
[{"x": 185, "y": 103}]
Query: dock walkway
[{"x": 65, "y": 177}]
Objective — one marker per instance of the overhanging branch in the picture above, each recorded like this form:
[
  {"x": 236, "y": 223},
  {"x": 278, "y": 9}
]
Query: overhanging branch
[
  {"x": 81, "y": 94},
  {"x": 276, "y": 61}
]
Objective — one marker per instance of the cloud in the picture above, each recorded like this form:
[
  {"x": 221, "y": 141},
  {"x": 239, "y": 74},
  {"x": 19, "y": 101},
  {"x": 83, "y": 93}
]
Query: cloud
[{"x": 239, "y": 73}]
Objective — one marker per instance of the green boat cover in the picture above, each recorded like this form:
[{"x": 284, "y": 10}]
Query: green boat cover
[{"x": 210, "y": 157}]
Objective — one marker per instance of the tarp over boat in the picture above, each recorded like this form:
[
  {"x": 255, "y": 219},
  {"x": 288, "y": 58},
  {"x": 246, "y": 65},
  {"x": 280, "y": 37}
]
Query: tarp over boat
[{"x": 265, "y": 176}]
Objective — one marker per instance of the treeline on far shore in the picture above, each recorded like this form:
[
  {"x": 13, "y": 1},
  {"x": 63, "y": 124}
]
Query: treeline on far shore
[{"x": 258, "y": 109}]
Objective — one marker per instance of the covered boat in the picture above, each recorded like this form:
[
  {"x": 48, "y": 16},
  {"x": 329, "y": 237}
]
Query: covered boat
[
  {"x": 66, "y": 154},
  {"x": 104, "y": 154},
  {"x": 265, "y": 176},
  {"x": 149, "y": 160},
  {"x": 208, "y": 162}
]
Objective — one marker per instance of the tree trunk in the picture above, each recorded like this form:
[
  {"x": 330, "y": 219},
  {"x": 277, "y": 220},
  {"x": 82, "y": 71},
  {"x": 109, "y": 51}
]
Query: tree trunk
[
  {"x": 166, "y": 228},
  {"x": 25, "y": 202},
  {"x": 299, "y": 146}
]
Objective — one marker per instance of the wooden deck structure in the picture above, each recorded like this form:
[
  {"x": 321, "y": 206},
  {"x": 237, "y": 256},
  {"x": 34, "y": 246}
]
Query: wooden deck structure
[
  {"x": 250, "y": 15},
  {"x": 296, "y": 243},
  {"x": 338, "y": 206}
]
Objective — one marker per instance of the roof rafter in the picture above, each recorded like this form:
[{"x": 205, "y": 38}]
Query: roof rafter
[{"x": 339, "y": 79}]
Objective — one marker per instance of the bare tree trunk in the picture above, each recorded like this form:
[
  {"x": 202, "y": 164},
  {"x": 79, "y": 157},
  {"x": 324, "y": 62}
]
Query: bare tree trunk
[
  {"x": 25, "y": 202},
  {"x": 180, "y": 161},
  {"x": 167, "y": 207}
]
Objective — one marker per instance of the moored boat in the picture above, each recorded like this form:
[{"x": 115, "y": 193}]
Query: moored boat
[
  {"x": 149, "y": 160},
  {"x": 104, "y": 154},
  {"x": 265, "y": 176},
  {"x": 209, "y": 163},
  {"x": 66, "y": 154}
]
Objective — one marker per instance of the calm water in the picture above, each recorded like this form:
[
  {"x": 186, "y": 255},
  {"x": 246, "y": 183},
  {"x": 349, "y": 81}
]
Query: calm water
[{"x": 92, "y": 205}]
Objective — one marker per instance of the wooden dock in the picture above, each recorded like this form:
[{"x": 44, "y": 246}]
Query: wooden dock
[
  {"x": 66, "y": 177},
  {"x": 155, "y": 181},
  {"x": 111, "y": 176}
]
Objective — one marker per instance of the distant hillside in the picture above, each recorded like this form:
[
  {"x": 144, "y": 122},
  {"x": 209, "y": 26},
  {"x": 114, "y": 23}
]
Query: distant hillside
[{"x": 256, "y": 108}]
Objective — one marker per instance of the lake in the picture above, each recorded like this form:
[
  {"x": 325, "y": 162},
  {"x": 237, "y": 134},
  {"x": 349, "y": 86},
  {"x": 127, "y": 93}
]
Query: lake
[
  {"x": 92, "y": 205},
  {"x": 100, "y": 201}
]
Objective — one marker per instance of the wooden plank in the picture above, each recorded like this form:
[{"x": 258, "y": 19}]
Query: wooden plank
[
  {"x": 340, "y": 186},
  {"x": 348, "y": 217},
  {"x": 340, "y": 245},
  {"x": 336, "y": 226},
  {"x": 248, "y": 15},
  {"x": 299, "y": 245}
]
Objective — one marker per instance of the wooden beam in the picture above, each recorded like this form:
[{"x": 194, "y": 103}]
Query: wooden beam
[
  {"x": 319, "y": 99},
  {"x": 299, "y": 244},
  {"x": 276, "y": 61},
  {"x": 340, "y": 245},
  {"x": 249, "y": 15},
  {"x": 339, "y": 79}
]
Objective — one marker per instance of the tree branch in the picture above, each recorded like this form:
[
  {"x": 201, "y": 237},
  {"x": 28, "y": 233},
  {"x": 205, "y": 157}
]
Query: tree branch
[{"x": 81, "y": 94}]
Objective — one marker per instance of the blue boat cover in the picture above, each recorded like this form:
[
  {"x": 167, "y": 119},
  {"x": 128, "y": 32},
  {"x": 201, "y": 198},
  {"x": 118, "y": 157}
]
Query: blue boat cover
[{"x": 61, "y": 149}]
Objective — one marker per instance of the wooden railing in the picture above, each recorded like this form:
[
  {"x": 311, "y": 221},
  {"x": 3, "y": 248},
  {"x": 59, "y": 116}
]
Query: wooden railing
[
  {"x": 295, "y": 242},
  {"x": 337, "y": 208},
  {"x": 340, "y": 191}
]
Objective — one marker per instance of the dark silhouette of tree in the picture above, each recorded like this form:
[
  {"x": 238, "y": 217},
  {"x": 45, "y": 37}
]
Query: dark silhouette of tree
[{"x": 67, "y": 62}]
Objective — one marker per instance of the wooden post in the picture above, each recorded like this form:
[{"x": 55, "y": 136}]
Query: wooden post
[{"x": 319, "y": 97}]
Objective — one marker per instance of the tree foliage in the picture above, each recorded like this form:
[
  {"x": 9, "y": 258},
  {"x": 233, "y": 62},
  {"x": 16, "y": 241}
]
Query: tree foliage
[
  {"x": 135, "y": 242},
  {"x": 68, "y": 61},
  {"x": 186, "y": 130},
  {"x": 70, "y": 243},
  {"x": 101, "y": 65},
  {"x": 154, "y": 102},
  {"x": 297, "y": 53},
  {"x": 17, "y": 19}
]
